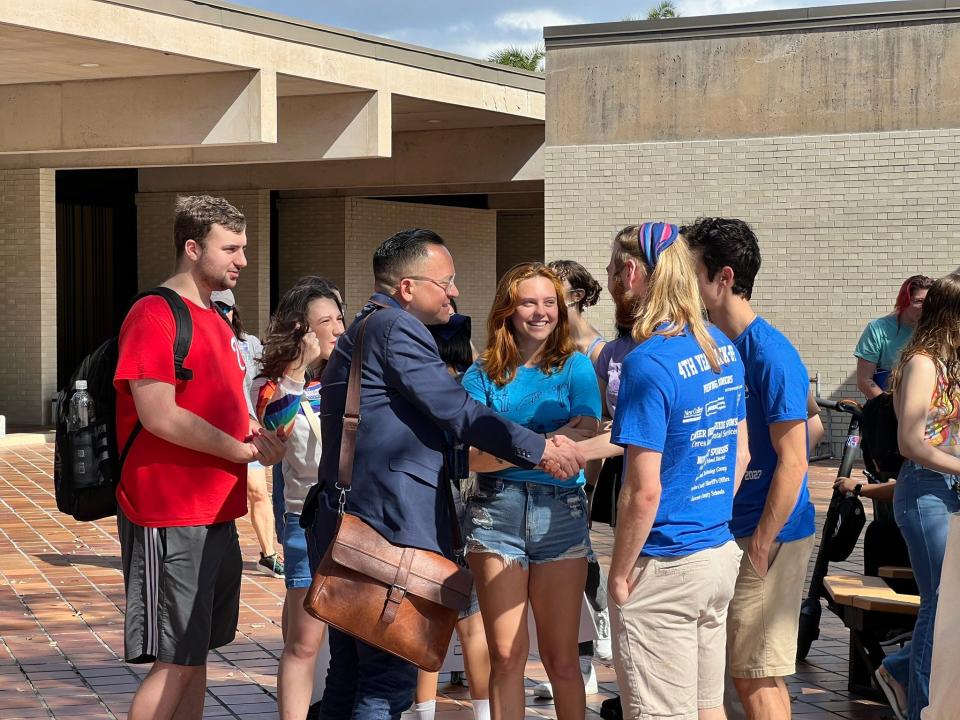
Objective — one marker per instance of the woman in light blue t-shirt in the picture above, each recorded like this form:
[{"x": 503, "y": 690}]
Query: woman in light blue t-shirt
[
  {"x": 882, "y": 340},
  {"x": 527, "y": 533}
]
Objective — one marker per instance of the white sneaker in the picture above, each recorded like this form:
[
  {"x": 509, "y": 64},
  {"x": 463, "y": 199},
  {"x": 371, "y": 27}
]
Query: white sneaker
[
  {"x": 589, "y": 676},
  {"x": 545, "y": 690},
  {"x": 603, "y": 646},
  {"x": 894, "y": 692}
]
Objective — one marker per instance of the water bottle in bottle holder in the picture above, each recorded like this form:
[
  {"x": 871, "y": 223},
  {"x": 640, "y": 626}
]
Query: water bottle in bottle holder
[{"x": 81, "y": 428}]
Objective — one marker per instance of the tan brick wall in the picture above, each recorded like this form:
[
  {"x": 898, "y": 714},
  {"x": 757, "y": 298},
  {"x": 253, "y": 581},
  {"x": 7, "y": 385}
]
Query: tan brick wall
[
  {"x": 311, "y": 239},
  {"x": 28, "y": 286},
  {"x": 156, "y": 256},
  {"x": 842, "y": 220},
  {"x": 519, "y": 238},
  {"x": 470, "y": 234}
]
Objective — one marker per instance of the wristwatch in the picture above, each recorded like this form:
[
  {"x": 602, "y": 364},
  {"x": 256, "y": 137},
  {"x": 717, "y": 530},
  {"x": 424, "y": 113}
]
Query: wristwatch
[{"x": 857, "y": 489}]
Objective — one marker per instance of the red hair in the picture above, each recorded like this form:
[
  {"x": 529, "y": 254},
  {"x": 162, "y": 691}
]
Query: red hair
[
  {"x": 910, "y": 285},
  {"x": 502, "y": 357}
]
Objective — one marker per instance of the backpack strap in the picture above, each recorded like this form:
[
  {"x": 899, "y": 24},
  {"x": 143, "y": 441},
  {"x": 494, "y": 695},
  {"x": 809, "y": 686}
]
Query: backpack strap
[{"x": 183, "y": 336}]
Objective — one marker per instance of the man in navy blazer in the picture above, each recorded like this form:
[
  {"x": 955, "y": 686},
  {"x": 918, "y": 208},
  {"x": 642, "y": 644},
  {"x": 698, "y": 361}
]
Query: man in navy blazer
[{"x": 409, "y": 404}]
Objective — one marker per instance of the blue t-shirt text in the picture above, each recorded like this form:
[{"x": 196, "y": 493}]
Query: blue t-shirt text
[{"x": 671, "y": 401}]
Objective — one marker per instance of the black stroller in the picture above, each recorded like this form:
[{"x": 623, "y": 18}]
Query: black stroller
[{"x": 883, "y": 544}]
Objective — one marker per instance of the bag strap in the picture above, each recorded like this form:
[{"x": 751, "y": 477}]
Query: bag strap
[
  {"x": 351, "y": 415},
  {"x": 182, "y": 339},
  {"x": 311, "y": 418}
]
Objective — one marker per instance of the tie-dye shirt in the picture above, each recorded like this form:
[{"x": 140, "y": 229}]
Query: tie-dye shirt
[{"x": 943, "y": 418}]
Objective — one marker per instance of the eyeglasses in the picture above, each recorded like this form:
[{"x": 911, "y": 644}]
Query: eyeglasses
[{"x": 444, "y": 285}]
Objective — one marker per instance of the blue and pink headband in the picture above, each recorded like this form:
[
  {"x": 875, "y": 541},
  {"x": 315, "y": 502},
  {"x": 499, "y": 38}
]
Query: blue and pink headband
[{"x": 654, "y": 238}]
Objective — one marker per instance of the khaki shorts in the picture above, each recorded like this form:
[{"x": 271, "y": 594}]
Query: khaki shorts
[
  {"x": 764, "y": 615},
  {"x": 671, "y": 630}
]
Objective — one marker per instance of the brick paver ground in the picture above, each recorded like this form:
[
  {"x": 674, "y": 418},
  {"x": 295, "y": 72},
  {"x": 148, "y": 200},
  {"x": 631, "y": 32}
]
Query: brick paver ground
[{"x": 61, "y": 622}]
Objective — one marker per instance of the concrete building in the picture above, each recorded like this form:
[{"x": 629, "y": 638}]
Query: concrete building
[
  {"x": 834, "y": 131},
  {"x": 327, "y": 140}
]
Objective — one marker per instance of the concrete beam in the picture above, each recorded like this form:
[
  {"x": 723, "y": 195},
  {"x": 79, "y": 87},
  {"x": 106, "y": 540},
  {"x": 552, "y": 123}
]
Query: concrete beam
[
  {"x": 438, "y": 158},
  {"x": 308, "y": 127},
  {"x": 287, "y": 47},
  {"x": 225, "y": 108},
  {"x": 516, "y": 201}
]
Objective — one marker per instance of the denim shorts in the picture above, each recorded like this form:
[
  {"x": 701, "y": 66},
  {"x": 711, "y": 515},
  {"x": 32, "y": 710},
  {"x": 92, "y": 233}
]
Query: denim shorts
[
  {"x": 296, "y": 566},
  {"x": 527, "y": 523}
]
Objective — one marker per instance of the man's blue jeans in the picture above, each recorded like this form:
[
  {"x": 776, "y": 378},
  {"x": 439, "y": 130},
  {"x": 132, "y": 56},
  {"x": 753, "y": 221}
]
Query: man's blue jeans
[
  {"x": 922, "y": 504},
  {"x": 364, "y": 683}
]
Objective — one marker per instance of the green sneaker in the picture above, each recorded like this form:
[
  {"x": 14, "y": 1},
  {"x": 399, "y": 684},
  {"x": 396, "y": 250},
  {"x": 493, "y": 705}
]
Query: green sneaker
[{"x": 270, "y": 565}]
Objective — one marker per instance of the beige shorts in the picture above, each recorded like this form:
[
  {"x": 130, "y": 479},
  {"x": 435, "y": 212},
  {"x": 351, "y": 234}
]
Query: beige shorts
[
  {"x": 670, "y": 636},
  {"x": 764, "y": 615}
]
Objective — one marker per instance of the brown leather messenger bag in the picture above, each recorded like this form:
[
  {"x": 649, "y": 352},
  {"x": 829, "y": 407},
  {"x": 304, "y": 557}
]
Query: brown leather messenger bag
[{"x": 403, "y": 600}]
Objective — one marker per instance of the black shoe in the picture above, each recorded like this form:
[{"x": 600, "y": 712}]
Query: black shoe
[
  {"x": 611, "y": 709},
  {"x": 271, "y": 565}
]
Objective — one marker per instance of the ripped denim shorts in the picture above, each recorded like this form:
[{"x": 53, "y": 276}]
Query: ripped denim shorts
[{"x": 527, "y": 522}]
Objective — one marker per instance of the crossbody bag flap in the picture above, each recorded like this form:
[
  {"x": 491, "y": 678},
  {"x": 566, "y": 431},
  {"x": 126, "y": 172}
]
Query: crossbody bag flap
[{"x": 359, "y": 547}]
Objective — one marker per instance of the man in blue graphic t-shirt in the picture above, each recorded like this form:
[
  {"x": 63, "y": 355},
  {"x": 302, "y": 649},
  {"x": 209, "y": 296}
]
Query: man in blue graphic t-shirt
[
  {"x": 680, "y": 419},
  {"x": 773, "y": 518}
]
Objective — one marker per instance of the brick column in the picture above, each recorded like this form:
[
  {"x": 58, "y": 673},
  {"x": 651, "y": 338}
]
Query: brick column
[
  {"x": 311, "y": 240},
  {"x": 519, "y": 238},
  {"x": 28, "y": 285},
  {"x": 470, "y": 235},
  {"x": 156, "y": 256}
]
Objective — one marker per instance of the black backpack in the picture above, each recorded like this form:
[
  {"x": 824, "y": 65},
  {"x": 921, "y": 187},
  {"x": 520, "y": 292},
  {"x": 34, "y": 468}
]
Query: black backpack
[
  {"x": 878, "y": 438},
  {"x": 85, "y": 487}
]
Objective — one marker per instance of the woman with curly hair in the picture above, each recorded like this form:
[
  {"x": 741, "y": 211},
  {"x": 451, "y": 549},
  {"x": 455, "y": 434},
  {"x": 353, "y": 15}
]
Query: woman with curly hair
[
  {"x": 580, "y": 291},
  {"x": 300, "y": 338},
  {"x": 926, "y": 394},
  {"x": 527, "y": 535}
]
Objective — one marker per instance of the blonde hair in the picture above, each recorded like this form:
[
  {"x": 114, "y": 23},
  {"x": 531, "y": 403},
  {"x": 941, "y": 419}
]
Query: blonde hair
[{"x": 673, "y": 295}]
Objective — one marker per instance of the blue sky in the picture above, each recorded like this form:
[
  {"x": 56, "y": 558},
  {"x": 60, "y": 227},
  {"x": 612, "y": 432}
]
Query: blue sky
[{"x": 476, "y": 28}]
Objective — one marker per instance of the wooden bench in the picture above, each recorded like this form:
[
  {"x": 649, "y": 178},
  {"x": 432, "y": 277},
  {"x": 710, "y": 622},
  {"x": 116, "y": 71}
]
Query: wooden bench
[
  {"x": 870, "y": 609},
  {"x": 870, "y": 593},
  {"x": 894, "y": 572}
]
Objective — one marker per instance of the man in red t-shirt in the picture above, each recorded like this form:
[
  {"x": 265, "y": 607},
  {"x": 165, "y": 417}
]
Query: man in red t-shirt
[{"x": 184, "y": 479}]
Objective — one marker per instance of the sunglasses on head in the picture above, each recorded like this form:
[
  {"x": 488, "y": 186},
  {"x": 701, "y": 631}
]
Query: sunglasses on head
[{"x": 224, "y": 307}]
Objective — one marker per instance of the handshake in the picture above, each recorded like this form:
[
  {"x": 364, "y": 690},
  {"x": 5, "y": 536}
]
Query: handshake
[{"x": 561, "y": 457}]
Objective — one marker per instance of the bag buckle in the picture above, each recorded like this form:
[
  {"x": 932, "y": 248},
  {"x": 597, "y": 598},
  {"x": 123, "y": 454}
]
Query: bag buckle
[
  {"x": 396, "y": 593},
  {"x": 392, "y": 605}
]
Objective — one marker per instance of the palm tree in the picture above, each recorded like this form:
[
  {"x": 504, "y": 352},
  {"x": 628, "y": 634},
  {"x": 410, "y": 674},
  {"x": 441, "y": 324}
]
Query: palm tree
[
  {"x": 666, "y": 9},
  {"x": 518, "y": 57}
]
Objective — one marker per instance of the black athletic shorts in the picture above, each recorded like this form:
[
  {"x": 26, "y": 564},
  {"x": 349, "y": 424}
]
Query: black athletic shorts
[{"x": 183, "y": 590}]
